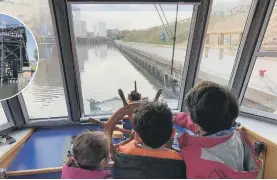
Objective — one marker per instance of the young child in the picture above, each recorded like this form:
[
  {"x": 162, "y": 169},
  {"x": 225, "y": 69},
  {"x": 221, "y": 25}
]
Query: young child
[
  {"x": 149, "y": 155},
  {"x": 90, "y": 154},
  {"x": 211, "y": 146}
]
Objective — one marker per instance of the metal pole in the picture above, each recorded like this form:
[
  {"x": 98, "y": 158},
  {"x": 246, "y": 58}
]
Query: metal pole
[
  {"x": 2, "y": 55},
  {"x": 166, "y": 21},
  {"x": 174, "y": 39},
  {"x": 20, "y": 58},
  {"x": 162, "y": 21}
]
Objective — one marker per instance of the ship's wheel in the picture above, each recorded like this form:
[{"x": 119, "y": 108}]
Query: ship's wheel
[{"x": 134, "y": 101}]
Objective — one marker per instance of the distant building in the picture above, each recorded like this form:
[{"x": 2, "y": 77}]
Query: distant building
[
  {"x": 95, "y": 30},
  {"x": 113, "y": 33},
  {"x": 91, "y": 34},
  {"x": 84, "y": 28},
  {"x": 80, "y": 27},
  {"x": 102, "y": 31},
  {"x": 76, "y": 13}
]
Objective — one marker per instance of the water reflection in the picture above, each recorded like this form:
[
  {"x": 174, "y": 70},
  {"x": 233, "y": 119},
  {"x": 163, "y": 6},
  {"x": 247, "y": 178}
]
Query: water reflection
[
  {"x": 44, "y": 97},
  {"x": 103, "y": 71}
]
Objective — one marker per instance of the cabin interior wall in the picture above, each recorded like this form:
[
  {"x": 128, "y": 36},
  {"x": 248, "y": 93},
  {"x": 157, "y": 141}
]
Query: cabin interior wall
[{"x": 269, "y": 156}]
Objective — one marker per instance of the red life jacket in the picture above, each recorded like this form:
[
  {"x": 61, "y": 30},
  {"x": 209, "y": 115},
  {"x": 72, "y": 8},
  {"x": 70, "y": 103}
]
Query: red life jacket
[
  {"x": 201, "y": 168},
  {"x": 202, "y": 154}
]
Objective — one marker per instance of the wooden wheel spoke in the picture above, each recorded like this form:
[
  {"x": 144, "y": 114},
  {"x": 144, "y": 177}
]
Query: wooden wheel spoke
[
  {"x": 120, "y": 114},
  {"x": 122, "y": 130}
]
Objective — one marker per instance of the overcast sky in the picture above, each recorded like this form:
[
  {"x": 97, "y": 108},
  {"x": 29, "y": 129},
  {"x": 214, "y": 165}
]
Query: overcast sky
[
  {"x": 140, "y": 16},
  {"x": 131, "y": 16}
]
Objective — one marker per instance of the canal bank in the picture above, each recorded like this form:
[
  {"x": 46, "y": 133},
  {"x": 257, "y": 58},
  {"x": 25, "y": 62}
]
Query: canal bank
[{"x": 257, "y": 95}]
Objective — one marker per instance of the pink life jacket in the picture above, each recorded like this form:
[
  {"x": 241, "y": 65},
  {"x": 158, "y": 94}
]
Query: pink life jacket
[
  {"x": 228, "y": 157},
  {"x": 79, "y": 173}
]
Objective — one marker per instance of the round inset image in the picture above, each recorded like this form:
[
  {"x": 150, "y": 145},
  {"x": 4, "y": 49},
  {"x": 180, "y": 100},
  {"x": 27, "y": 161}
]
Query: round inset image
[{"x": 18, "y": 56}]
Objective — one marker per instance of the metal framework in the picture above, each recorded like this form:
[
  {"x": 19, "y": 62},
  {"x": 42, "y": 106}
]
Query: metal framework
[
  {"x": 254, "y": 31},
  {"x": 13, "y": 52}
]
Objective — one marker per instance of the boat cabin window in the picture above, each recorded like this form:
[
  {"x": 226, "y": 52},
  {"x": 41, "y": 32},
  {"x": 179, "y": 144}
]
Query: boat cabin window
[
  {"x": 270, "y": 36},
  {"x": 89, "y": 50},
  {"x": 143, "y": 30},
  {"x": 261, "y": 94},
  {"x": 44, "y": 97},
  {"x": 223, "y": 38}
]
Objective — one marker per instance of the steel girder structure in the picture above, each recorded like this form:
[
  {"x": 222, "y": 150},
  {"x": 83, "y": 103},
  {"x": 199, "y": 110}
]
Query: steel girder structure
[{"x": 13, "y": 52}]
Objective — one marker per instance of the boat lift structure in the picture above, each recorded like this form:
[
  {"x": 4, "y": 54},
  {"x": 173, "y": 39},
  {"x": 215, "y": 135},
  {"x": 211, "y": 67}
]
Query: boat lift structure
[{"x": 13, "y": 52}]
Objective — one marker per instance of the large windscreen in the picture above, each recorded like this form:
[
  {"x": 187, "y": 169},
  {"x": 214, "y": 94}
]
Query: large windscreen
[{"x": 118, "y": 44}]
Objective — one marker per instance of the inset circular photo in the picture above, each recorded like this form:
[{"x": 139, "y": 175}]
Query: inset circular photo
[{"x": 19, "y": 56}]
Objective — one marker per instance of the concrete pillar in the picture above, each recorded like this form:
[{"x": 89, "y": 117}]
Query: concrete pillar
[
  {"x": 175, "y": 85},
  {"x": 221, "y": 49},
  {"x": 165, "y": 80},
  {"x": 207, "y": 43},
  {"x": 240, "y": 36}
]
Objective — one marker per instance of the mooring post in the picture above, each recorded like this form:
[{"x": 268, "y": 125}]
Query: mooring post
[
  {"x": 221, "y": 48},
  {"x": 207, "y": 43}
]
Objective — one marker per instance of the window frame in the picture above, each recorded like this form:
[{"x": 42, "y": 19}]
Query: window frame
[
  {"x": 52, "y": 121},
  {"x": 193, "y": 54},
  {"x": 75, "y": 58},
  {"x": 15, "y": 108},
  {"x": 191, "y": 2},
  {"x": 18, "y": 105},
  {"x": 184, "y": 82},
  {"x": 245, "y": 111}
]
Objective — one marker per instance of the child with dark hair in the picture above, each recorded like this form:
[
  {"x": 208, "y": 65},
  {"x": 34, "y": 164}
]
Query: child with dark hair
[
  {"x": 211, "y": 139},
  {"x": 91, "y": 152},
  {"x": 150, "y": 154}
]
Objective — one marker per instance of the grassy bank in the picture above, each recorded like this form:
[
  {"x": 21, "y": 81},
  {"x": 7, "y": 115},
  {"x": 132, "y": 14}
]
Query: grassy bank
[{"x": 224, "y": 24}]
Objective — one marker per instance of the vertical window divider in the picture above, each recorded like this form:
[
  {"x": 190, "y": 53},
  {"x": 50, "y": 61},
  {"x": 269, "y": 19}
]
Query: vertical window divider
[
  {"x": 59, "y": 14},
  {"x": 75, "y": 58},
  {"x": 200, "y": 18}
]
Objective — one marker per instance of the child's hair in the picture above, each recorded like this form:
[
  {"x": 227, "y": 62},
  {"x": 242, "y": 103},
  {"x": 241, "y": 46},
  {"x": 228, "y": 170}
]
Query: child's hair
[
  {"x": 212, "y": 106},
  {"x": 89, "y": 150},
  {"x": 153, "y": 123}
]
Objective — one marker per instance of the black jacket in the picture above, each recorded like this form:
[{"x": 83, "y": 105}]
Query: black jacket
[{"x": 141, "y": 167}]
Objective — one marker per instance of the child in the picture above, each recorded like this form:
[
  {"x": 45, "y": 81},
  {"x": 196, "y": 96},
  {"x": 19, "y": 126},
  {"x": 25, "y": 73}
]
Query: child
[
  {"x": 211, "y": 146},
  {"x": 90, "y": 155},
  {"x": 149, "y": 156}
]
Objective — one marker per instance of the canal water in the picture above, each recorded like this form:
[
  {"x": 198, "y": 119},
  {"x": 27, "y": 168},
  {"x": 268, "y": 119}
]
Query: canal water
[{"x": 103, "y": 70}]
